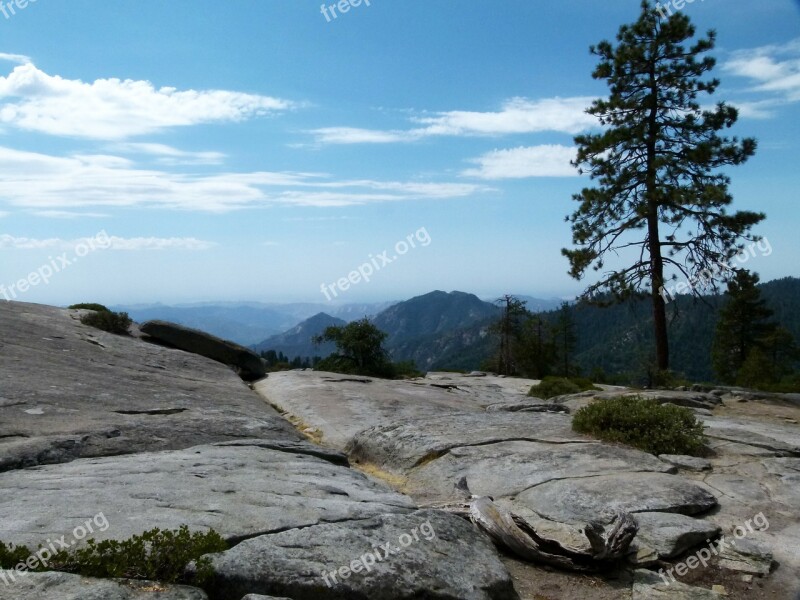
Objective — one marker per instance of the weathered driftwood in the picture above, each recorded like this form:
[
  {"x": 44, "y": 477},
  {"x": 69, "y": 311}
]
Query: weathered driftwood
[{"x": 515, "y": 534}]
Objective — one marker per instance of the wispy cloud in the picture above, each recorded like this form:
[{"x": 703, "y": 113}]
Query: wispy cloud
[
  {"x": 114, "y": 243},
  {"x": 25, "y": 243},
  {"x": 154, "y": 243},
  {"x": 773, "y": 69},
  {"x": 116, "y": 109},
  {"x": 19, "y": 59},
  {"x": 68, "y": 214},
  {"x": 41, "y": 182},
  {"x": 168, "y": 155},
  {"x": 518, "y": 163},
  {"x": 516, "y": 116}
]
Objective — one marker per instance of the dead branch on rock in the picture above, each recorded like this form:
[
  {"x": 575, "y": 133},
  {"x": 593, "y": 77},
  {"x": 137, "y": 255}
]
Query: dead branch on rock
[{"x": 515, "y": 534}]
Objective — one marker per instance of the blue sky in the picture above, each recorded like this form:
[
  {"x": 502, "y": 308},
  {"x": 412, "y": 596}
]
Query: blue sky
[{"x": 255, "y": 149}]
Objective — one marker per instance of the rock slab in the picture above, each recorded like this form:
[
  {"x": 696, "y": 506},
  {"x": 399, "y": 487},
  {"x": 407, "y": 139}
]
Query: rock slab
[{"x": 246, "y": 362}]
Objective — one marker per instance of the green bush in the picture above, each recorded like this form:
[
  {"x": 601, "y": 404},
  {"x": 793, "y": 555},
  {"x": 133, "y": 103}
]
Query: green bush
[
  {"x": 117, "y": 323},
  {"x": 155, "y": 556},
  {"x": 643, "y": 424},
  {"x": 551, "y": 387},
  {"x": 11, "y": 556},
  {"x": 90, "y": 306}
]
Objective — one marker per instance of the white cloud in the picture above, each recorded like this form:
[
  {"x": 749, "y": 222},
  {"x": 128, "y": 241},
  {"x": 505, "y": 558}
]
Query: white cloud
[
  {"x": 111, "y": 242},
  {"x": 172, "y": 156},
  {"x": 774, "y": 69},
  {"x": 114, "y": 109},
  {"x": 41, "y": 182},
  {"x": 354, "y": 135},
  {"x": 517, "y": 163},
  {"x": 19, "y": 59},
  {"x": 68, "y": 214},
  {"x": 153, "y": 243},
  {"x": 517, "y": 116},
  {"x": 24, "y": 243}
]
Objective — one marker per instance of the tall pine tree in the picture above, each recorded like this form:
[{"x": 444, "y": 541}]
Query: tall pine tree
[{"x": 661, "y": 201}]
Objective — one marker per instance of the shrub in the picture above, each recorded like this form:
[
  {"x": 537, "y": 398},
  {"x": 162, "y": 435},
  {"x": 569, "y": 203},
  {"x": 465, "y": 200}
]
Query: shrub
[
  {"x": 90, "y": 306},
  {"x": 643, "y": 424},
  {"x": 155, "y": 556},
  {"x": 117, "y": 323},
  {"x": 559, "y": 386}
]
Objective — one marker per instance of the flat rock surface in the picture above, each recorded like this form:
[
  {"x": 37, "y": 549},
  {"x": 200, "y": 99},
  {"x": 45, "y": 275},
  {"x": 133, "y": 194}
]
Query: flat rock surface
[
  {"x": 509, "y": 468},
  {"x": 70, "y": 391},
  {"x": 581, "y": 500},
  {"x": 237, "y": 490},
  {"x": 408, "y": 443},
  {"x": 649, "y": 586},
  {"x": 372, "y": 559},
  {"x": 63, "y": 586},
  {"x": 341, "y": 406}
]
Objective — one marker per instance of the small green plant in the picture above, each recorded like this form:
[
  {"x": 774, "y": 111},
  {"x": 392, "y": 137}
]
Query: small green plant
[
  {"x": 90, "y": 306},
  {"x": 113, "y": 322},
  {"x": 643, "y": 424},
  {"x": 551, "y": 387},
  {"x": 155, "y": 555},
  {"x": 11, "y": 556}
]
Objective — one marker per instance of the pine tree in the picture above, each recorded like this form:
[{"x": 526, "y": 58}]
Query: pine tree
[
  {"x": 508, "y": 328},
  {"x": 742, "y": 327},
  {"x": 661, "y": 201},
  {"x": 565, "y": 339}
]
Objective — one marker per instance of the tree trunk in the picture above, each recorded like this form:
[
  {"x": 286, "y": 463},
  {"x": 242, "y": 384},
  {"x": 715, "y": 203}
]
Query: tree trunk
[{"x": 656, "y": 259}]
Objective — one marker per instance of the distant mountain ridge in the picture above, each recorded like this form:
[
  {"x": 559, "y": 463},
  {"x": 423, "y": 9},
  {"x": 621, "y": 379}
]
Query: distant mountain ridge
[
  {"x": 247, "y": 323},
  {"x": 297, "y": 340}
]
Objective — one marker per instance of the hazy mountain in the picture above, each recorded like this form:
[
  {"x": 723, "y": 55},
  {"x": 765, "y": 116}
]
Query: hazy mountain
[
  {"x": 297, "y": 340},
  {"x": 247, "y": 323},
  {"x": 244, "y": 324},
  {"x": 435, "y": 313}
]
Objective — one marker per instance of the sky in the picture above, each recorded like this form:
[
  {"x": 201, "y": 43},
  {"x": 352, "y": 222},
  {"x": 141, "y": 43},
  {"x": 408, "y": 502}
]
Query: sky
[{"x": 264, "y": 150}]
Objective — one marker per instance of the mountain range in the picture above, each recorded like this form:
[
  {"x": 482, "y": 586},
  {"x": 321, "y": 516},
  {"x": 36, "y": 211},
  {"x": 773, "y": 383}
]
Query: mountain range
[{"x": 441, "y": 331}]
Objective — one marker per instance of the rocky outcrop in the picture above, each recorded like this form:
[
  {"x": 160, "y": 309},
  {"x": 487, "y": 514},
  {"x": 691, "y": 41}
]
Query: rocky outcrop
[
  {"x": 447, "y": 437},
  {"x": 148, "y": 436},
  {"x": 94, "y": 394},
  {"x": 246, "y": 362}
]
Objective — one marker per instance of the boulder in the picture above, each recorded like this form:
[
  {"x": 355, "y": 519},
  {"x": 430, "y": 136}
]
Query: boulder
[
  {"x": 247, "y": 363},
  {"x": 389, "y": 557},
  {"x": 670, "y": 535}
]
